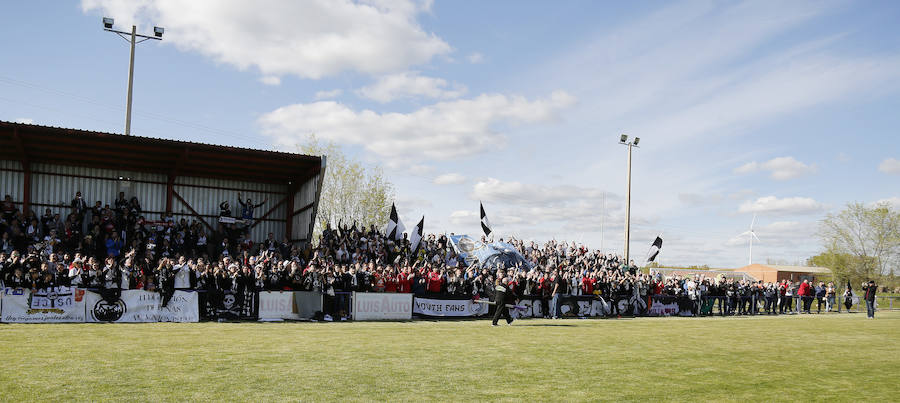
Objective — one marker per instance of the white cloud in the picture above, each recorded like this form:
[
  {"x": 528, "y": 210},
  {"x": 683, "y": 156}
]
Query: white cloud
[
  {"x": 890, "y": 166},
  {"x": 309, "y": 39},
  {"x": 749, "y": 167},
  {"x": 270, "y": 80},
  {"x": 440, "y": 131},
  {"x": 27, "y": 121},
  {"x": 527, "y": 208},
  {"x": 475, "y": 58},
  {"x": 780, "y": 233},
  {"x": 449, "y": 179},
  {"x": 781, "y": 168},
  {"x": 890, "y": 201},
  {"x": 725, "y": 87},
  {"x": 699, "y": 198},
  {"x": 775, "y": 206},
  {"x": 410, "y": 85},
  {"x": 463, "y": 217},
  {"x": 329, "y": 94},
  {"x": 518, "y": 193},
  {"x": 413, "y": 204}
]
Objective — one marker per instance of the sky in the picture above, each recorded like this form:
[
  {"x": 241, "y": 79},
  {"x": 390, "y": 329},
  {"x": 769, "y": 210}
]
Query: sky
[{"x": 785, "y": 111}]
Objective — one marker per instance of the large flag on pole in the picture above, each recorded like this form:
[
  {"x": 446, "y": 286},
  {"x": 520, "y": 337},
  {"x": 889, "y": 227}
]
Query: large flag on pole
[
  {"x": 395, "y": 228},
  {"x": 654, "y": 249},
  {"x": 485, "y": 224},
  {"x": 415, "y": 237}
]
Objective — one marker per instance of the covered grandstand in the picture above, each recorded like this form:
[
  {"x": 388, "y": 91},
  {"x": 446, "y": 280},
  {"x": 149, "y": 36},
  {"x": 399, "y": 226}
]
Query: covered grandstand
[{"x": 43, "y": 167}]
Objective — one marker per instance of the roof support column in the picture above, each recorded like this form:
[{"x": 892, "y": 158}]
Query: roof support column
[
  {"x": 26, "y": 170},
  {"x": 289, "y": 218},
  {"x": 170, "y": 189},
  {"x": 26, "y": 188}
]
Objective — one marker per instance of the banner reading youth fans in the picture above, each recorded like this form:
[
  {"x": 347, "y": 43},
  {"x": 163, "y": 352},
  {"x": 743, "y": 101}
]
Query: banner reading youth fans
[
  {"x": 449, "y": 307},
  {"x": 142, "y": 306},
  {"x": 48, "y": 305},
  {"x": 382, "y": 306}
]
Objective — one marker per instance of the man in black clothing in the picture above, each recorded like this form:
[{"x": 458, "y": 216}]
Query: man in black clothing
[
  {"x": 870, "y": 298},
  {"x": 166, "y": 281},
  {"x": 502, "y": 296},
  {"x": 730, "y": 297},
  {"x": 559, "y": 286},
  {"x": 79, "y": 207}
]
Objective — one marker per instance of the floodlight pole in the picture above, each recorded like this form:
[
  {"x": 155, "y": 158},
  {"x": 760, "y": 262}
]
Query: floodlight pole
[
  {"x": 633, "y": 143},
  {"x": 130, "y": 82},
  {"x": 628, "y": 205},
  {"x": 132, "y": 38}
]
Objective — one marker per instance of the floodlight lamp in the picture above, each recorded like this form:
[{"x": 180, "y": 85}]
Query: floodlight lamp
[
  {"x": 637, "y": 140},
  {"x": 158, "y": 31},
  {"x": 623, "y": 139},
  {"x": 108, "y": 22}
]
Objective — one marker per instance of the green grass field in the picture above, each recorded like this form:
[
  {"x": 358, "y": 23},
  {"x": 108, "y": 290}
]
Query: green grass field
[{"x": 841, "y": 357}]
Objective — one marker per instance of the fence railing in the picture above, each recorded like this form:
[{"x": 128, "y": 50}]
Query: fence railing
[{"x": 792, "y": 304}]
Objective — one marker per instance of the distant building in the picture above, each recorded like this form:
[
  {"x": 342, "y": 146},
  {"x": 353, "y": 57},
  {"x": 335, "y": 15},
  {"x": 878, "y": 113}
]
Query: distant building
[{"x": 773, "y": 272}]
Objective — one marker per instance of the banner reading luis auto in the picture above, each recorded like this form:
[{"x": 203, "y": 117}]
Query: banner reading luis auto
[
  {"x": 381, "y": 306},
  {"x": 449, "y": 307},
  {"x": 142, "y": 306},
  {"x": 288, "y": 305},
  {"x": 48, "y": 305}
]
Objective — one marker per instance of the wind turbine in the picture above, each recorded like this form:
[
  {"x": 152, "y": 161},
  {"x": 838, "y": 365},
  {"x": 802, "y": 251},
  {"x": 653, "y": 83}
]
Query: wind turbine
[{"x": 751, "y": 235}]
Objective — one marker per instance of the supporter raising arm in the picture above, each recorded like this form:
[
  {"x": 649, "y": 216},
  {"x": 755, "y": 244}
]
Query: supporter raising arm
[{"x": 248, "y": 207}]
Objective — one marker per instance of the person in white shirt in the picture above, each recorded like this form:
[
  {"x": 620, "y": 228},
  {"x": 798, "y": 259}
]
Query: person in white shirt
[
  {"x": 75, "y": 272},
  {"x": 182, "y": 272},
  {"x": 110, "y": 275}
]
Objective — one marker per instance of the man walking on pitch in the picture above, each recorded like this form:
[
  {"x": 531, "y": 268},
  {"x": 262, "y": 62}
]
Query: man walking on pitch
[{"x": 502, "y": 296}]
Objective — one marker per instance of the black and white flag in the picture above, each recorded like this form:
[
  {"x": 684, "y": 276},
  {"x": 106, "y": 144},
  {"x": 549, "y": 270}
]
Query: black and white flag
[
  {"x": 415, "y": 237},
  {"x": 654, "y": 249},
  {"x": 395, "y": 228},
  {"x": 485, "y": 224}
]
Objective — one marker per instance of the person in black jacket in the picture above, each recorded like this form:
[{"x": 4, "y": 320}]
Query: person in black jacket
[
  {"x": 166, "y": 280},
  {"x": 502, "y": 296},
  {"x": 870, "y": 289}
]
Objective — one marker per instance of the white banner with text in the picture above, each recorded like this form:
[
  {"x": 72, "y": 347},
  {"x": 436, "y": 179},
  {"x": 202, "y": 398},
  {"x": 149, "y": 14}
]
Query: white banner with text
[
  {"x": 449, "y": 307},
  {"x": 382, "y": 306},
  {"x": 47, "y": 305},
  {"x": 142, "y": 306}
]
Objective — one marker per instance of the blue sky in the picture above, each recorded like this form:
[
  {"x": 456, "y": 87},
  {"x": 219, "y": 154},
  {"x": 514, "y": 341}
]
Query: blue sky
[{"x": 786, "y": 110}]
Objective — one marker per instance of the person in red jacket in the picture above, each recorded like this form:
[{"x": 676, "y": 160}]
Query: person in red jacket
[
  {"x": 434, "y": 281},
  {"x": 806, "y": 294},
  {"x": 390, "y": 280},
  {"x": 404, "y": 281},
  {"x": 587, "y": 285}
]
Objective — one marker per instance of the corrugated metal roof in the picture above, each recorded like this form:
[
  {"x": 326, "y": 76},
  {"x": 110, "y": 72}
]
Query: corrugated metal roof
[
  {"x": 160, "y": 139},
  {"x": 73, "y": 147}
]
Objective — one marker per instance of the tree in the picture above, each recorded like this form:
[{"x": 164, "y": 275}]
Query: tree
[
  {"x": 861, "y": 242},
  {"x": 351, "y": 191}
]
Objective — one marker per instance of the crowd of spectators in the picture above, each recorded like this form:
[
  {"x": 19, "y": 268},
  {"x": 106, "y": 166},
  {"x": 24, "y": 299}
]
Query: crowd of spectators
[{"x": 113, "y": 247}]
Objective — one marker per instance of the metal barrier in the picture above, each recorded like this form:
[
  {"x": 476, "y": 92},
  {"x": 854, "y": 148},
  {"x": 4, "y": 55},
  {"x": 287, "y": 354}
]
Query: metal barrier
[
  {"x": 704, "y": 306},
  {"x": 721, "y": 305}
]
